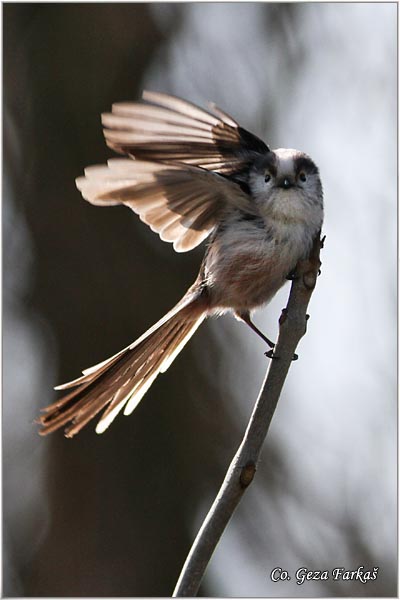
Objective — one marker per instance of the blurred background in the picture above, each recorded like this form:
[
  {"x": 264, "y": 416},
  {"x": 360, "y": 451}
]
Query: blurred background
[{"x": 115, "y": 515}]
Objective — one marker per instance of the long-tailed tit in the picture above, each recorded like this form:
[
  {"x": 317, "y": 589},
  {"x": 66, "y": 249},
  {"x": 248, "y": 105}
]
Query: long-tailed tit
[{"x": 192, "y": 174}]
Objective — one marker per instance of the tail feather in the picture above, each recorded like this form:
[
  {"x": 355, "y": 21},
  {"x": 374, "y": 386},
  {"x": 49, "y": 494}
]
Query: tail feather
[{"x": 121, "y": 381}]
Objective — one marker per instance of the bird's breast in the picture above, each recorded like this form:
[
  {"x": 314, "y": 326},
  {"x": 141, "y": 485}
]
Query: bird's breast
[{"x": 248, "y": 261}]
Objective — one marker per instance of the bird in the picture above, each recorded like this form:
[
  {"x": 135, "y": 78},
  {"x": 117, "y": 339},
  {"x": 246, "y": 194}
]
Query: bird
[{"x": 193, "y": 174}]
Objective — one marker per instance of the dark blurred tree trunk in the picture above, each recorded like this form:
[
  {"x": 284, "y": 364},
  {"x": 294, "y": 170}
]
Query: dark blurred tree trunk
[{"x": 120, "y": 505}]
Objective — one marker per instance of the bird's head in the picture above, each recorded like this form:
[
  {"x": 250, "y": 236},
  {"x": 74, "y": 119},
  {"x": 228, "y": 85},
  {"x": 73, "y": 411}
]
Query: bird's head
[{"x": 285, "y": 184}]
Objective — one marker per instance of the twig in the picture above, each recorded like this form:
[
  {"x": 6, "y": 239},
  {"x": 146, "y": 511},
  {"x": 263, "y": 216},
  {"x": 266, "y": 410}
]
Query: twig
[{"x": 292, "y": 326}]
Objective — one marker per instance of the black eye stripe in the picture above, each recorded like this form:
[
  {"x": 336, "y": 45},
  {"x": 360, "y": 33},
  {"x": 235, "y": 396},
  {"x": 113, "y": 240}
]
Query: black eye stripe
[
  {"x": 267, "y": 165},
  {"x": 304, "y": 163}
]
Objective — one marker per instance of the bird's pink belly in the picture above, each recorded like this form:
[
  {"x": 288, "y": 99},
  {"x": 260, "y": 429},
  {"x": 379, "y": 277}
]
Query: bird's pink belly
[{"x": 248, "y": 282}]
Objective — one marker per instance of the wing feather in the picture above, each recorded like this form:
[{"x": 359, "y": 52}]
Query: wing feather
[
  {"x": 180, "y": 106},
  {"x": 188, "y": 168},
  {"x": 172, "y": 129},
  {"x": 181, "y": 203}
]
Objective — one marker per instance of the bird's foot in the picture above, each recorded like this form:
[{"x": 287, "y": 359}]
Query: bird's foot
[
  {"x": 271, "y": 354},
  {"x": 292, "y": 275}
]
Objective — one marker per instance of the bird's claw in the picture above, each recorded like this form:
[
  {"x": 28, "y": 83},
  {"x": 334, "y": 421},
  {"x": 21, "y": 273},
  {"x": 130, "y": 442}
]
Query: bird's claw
[
  {"x": 270, "y": 354},
  {"x": 292, "y": 275}
]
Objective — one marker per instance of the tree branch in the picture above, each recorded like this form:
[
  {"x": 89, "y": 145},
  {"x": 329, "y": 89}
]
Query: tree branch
[{"x": 292, "y": 326}]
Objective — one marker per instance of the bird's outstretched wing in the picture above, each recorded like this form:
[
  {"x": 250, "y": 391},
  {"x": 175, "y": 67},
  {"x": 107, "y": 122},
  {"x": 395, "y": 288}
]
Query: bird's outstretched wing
[
  {"x": 181, "y": 203},
  {"x": 172, "y": 129},
  {"x": 186, "y": 166}
]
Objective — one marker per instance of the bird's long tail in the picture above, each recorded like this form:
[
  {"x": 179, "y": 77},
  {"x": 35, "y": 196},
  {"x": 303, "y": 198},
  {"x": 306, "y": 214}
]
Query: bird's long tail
[{"x": 121, "y": 381}]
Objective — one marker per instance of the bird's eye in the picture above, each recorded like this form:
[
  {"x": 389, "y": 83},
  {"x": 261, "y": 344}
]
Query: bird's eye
[
  {"x": 267, "y": 177},
  {"x": 302, "y": 177}
]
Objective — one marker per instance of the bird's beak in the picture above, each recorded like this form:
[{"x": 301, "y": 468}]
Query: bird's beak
[{"x": 286, "y": 183}]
